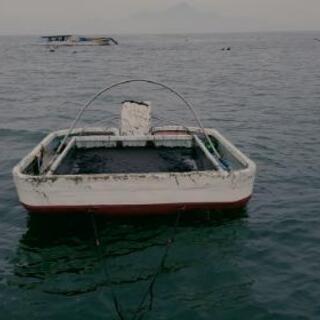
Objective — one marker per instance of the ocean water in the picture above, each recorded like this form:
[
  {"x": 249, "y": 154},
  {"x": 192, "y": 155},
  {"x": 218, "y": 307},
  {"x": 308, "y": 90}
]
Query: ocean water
[{"x": 259, "y": 263}]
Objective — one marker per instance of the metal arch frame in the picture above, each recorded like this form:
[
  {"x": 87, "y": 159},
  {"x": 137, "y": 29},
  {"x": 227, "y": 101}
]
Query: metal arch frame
[{"x": 118, "y": 84}]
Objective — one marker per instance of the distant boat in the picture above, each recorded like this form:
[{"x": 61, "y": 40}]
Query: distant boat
[{"x": 76, "y": 40}]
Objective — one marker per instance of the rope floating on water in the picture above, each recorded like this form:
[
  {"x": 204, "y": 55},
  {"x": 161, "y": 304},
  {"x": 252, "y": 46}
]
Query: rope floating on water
[
  {"x": 105, "y": 267},
  {"x": 141, "y": 310}
]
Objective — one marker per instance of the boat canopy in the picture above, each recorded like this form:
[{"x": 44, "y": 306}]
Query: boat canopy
[{"x": 64, "y": 37}]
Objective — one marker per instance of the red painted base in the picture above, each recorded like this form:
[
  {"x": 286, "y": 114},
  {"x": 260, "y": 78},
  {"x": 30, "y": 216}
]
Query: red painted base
[{"x": 138, "y": 210}]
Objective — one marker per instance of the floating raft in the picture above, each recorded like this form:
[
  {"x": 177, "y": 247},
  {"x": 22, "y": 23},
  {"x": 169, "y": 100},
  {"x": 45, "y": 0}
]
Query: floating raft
[{"x": 136, "y": 169}]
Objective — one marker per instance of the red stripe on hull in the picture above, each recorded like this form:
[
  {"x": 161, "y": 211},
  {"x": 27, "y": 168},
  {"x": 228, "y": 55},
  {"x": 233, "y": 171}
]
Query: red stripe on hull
[{"x": 139, "y": 210}]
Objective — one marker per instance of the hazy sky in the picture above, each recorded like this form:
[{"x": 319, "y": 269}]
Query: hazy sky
[{"x": 116, "y": 16}]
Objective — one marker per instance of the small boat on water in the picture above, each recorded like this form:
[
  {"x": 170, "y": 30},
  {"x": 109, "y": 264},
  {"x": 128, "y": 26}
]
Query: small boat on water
[
  {"x": 136, "y": 169},
  {"x": 76, "y": 40}
]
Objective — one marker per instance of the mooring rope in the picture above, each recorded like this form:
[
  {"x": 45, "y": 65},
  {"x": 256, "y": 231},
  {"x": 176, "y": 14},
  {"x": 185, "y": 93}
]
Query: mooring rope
[
  {"x": 105, "y": 267},
  {"x": 141, "y": 310}
]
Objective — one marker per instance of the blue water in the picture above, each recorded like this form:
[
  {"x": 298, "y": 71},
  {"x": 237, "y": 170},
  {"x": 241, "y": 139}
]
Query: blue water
[{"x": 260, "y": 263}]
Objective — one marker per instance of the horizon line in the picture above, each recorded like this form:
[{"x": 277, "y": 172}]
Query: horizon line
[{"x": 163, "y": 33}]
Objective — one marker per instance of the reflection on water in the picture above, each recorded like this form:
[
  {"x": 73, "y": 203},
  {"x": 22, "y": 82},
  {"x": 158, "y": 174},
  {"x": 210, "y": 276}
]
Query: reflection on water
[{"x": 57, "y": 254}]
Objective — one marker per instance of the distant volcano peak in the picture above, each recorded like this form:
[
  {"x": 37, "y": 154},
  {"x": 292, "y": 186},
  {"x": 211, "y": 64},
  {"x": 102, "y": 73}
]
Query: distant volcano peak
[{"x": 182, "y": 7}]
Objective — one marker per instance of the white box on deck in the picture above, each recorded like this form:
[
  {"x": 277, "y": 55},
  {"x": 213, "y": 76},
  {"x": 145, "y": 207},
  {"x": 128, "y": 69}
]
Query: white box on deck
[{"x": 135, "y": 118}]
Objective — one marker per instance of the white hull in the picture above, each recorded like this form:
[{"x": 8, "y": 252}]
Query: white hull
[
  {"x": 135, "y": 193},
  {"x": 73, "y": 44}
]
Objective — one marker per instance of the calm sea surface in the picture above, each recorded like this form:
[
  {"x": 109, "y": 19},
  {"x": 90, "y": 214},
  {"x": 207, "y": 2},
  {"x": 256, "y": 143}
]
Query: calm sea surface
[{"x": 260, "y": 263}]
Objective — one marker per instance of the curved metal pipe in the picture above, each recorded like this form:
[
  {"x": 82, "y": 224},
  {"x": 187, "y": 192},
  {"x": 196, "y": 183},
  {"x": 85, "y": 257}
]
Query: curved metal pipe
[{"x": 177, "y": 94}]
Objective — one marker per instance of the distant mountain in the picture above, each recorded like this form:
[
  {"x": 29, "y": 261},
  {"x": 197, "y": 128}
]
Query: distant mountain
[
  {"x": 180, "y": 11},
  {"x": 181, "y": 18}
]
